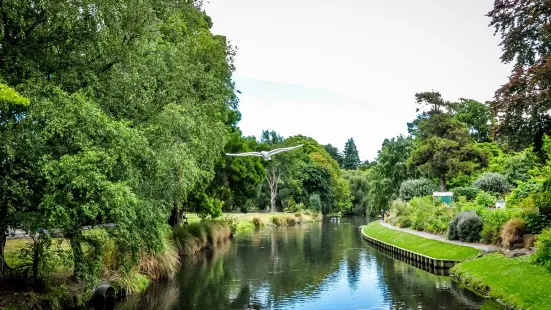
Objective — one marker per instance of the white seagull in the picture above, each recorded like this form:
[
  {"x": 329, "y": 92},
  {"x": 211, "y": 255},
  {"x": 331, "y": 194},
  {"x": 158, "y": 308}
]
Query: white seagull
[{"x": 266, "y": 155}]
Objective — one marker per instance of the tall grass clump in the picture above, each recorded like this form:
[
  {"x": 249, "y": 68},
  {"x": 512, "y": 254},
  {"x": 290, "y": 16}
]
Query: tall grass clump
[
  {"x": 194, "y": 237},
  {"x": 512, "y": 232},
  {"x": 278, "y": 221},
  {"x": 162, "y": 265},
  {"x": 291, "y": 220},
  {"x": 257, "y": 222}
]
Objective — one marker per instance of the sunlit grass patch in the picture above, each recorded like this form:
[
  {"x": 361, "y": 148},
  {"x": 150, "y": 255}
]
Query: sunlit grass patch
[{"x": 433, "y": 248}]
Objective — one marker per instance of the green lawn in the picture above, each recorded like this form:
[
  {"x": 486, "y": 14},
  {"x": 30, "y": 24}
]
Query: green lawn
[
  {"x": 432, "y": 248},
  {"x": 515, "y": 281}
]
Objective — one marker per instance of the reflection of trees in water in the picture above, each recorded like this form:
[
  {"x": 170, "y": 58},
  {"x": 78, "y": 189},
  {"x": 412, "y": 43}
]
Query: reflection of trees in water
[
  {"x": 279, "y": 267},
  {"x": 408, "y": 287}
]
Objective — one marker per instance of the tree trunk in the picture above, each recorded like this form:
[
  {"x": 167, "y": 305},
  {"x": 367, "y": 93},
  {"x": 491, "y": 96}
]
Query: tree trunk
[
  {"x": 3, "y": 265},
  {"x": 443, "y": 183},
  {"x": 272, "y": 179},
  {"x": 273, "y": 194},
  {"x": 175, "y": 217}
]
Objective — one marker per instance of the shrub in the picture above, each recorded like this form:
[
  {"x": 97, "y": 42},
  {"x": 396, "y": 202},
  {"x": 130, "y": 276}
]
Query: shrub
[
  {"x": 467, "y": 192},
  {"x": 490, "y": 234},
  {"x": 523, "y": 191},
  {"x": 417, "y": 188},
  {"x": 401, "y": 207},
  {"x": 492, "y": 182},
  {"x": 543, "y": 254},
  {"x": 465, "y": 226},
  {"x": 535, "y": 222},
  {"x": 485, "y": 199},
  {"x": 403, "y": 221},
  {"x": 498, "y": 217},
  {"x": 512, "y": 232},
  {"x": 314, "y": 202}
]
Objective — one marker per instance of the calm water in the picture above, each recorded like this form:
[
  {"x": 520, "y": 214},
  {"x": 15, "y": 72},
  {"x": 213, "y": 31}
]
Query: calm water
[{"x": 315, "y": 266}]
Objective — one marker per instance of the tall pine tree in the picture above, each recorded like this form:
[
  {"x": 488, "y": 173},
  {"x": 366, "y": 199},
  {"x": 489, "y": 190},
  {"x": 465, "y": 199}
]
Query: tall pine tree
[{"x": 351, "y": 156}]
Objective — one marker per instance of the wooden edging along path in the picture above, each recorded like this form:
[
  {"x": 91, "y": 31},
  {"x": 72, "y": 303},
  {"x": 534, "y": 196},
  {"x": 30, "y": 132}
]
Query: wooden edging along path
[{"x": 434, "y": 265}]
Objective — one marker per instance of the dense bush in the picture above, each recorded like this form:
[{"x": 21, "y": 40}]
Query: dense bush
[
  {"x": 403, "y": 221},
  {"x": 498, "y": 217},
  {"x": 523, "y": 191},
  {"x": 422, "y": 214},
  {"x": 492, "y": 182},
  {"x": 543, "y": 254},
  {"x": 490, "y": 234},
  {"x": 485, "y": 199},
  {"x": 535, "y": 222},
  {"x": 417, "y": 188},
  {"x": 512, "y": 232},
  {"x": 465, "y": 226},
  {"x": 467, "y": 192},
  {"x": 314, "y": 202},
  {"x": 401, "y": 207}
]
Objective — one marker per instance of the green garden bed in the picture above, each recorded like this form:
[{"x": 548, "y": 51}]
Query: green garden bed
[
  {"x": 420, "y": 245},
  {"x": 514, "y": 281}
]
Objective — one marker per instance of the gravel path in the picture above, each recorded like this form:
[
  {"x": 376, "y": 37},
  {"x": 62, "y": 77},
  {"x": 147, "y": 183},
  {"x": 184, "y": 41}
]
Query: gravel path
[{"x": 487, "y": 248}]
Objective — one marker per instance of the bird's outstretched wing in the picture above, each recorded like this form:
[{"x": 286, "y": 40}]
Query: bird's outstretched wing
[
  {"x": 284, "y": 149},
  {"x": 246, "y": 154}
]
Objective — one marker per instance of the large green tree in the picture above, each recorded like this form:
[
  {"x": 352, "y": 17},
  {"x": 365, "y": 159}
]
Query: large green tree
[
  {"x": 443, "y": 146},
  {"x": 521, "y": 105},
  {"x": 335, "y": 153},
  {"x": 130, "y": 106},
  {"x": 477, "y": 116},
  {"x": 351, "y": 160},
  {"x": 389, "y": 172},
  {"x": 12, "y": 190}
]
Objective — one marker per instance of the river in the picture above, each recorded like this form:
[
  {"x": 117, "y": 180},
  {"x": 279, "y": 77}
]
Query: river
[{"x": 322, "y": 265}]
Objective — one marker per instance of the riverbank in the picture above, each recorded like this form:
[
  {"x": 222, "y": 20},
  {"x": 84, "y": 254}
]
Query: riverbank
[
  {"x": 432, "y": 248},
  {"x": 515, "y": 282},
  {"x": 60, "y": 291}
]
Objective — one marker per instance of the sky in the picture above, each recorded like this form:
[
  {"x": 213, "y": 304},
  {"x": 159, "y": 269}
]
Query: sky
[{"x": 335, "y": 70}]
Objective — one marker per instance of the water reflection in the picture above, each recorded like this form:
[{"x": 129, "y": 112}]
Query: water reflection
[{"x": 315, "y": 266}]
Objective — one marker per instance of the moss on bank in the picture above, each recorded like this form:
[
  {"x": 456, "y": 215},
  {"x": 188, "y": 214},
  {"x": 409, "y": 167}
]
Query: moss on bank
[
  {"x": 516, "y": 282},
  {"x": 433, "y": 248}
]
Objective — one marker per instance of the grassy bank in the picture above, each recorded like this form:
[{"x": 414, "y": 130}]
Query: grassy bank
[
  {"x": 252, "y": 221},
  {"x": 514, "y": 281},
  {"x": 432, "y": 248}
]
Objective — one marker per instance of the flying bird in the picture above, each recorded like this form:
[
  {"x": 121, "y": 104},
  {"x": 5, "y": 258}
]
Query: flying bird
[{"x": 266, "y": 155}]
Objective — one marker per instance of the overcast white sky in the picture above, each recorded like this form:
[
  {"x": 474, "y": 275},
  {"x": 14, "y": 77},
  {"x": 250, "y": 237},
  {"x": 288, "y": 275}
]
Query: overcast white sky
[{"x": 350, "y": 68}]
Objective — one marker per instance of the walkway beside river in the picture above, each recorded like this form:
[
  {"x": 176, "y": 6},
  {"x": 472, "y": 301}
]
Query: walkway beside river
[{"x": 487, "y": 248}]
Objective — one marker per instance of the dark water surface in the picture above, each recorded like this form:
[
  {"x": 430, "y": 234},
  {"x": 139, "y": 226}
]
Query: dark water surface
[{"x": 314, "y": 266}]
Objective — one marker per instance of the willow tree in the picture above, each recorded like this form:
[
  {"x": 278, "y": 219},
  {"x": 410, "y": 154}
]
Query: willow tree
[{"x": 128, "y": 114}]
